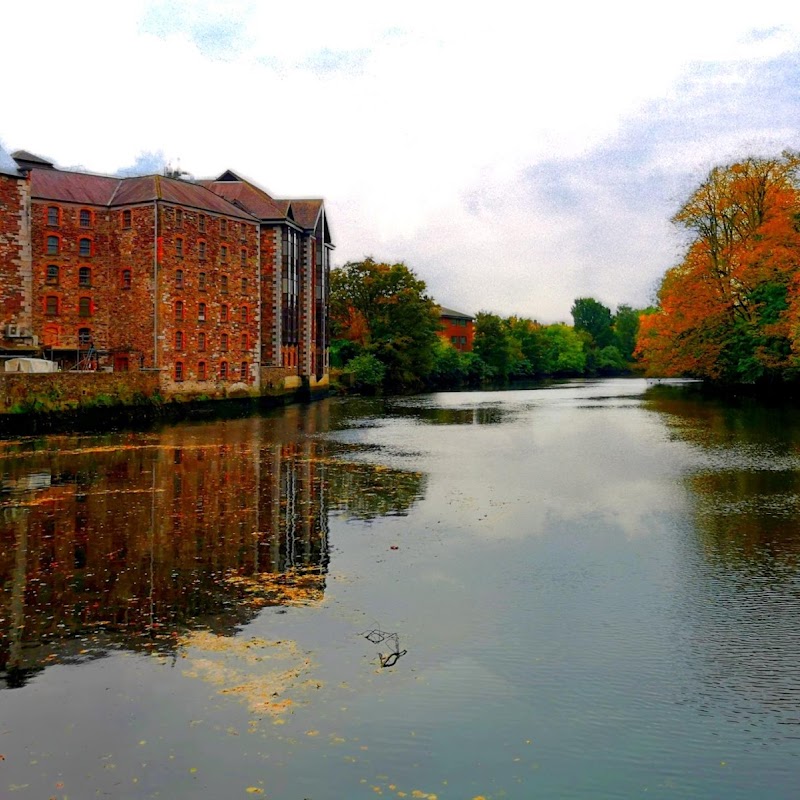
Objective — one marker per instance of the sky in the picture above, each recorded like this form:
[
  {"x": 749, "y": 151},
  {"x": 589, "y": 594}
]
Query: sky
[{"x": 514, "y": 155}]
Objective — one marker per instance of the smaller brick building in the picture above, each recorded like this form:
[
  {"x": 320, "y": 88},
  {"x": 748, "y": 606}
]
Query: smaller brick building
[{"x": 457, "y": 328}]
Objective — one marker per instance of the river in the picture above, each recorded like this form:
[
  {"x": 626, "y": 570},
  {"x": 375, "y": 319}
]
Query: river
[{"x": 585, "y": 590}]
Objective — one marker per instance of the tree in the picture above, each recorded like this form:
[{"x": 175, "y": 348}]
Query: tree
[
  {"x": 386, "y": 310},
  {"x": 729, "y": 311},
  {"x": 493, "y": 345},
  {"x": 564, "y": 351},
  {"x": 626, "y": 328},
  {"x": 593, "y": 317}
]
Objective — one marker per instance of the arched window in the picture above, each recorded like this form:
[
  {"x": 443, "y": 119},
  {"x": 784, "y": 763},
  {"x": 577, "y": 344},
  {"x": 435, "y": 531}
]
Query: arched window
[
  {"x": 223, "y": 342},
  {"x": 202, "y": 373},
  {"x": 179, "y": 370},
  {"x": 201, "y": 249},
  {"x": 179, "y": 309},
  {"x": 85, "y": 218},
  {"x": 51, "y": 305},
  {"x": 201, "y": 312},
  {"x": 223, "y": 254},
  {"x": 245, "y": 343},
  {"x": 245, "y": 372},
  {"x": 126, "y": 218},
  {"x": 84, "y": 276},
  {"x": 243, "y": 313},
  {"x": 85, "y": 307},
  {"x": 179, "y": 279},
  {"x": 223, "y": 228},
  {"x": 223, "y": 370},
  {"x": 53, "y": 216},
  {"x": 179, "y": 340},
  {"x": 243, "y": 257},
  {"x": 52, "y": 274},
  {"x": 125, "y": 279},
  {"x": 201, "y": 342},
  {"x": 85, "y": 247},
  {"x": 179, "y": 247},
  {"x": 223, "y": 313},
  {"x": 223, "y": 284},
  {"x": 53, "y": 245}
]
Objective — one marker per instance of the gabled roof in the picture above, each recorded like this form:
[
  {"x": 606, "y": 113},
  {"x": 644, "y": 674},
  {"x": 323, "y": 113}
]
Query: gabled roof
[
  {"x": 448, "y": 312},
  {"x": 8, "y": 166},
  {"x": 28, "y": 160},
  {"x": 103, "y": 190},
  {"x": 248, "y": 196}
]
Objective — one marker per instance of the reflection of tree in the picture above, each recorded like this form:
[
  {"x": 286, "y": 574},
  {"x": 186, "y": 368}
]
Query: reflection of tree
[
  {"x": 438, "y": 415},
  {"x": 129, "y": 540},
  {"x": 738, "y": 599}
]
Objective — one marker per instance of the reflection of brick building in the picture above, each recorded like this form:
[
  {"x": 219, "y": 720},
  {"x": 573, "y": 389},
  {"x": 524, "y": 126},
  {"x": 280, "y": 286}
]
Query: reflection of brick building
[
  {"x": 457, "y": 328},
  {"x": 214, "y": 284}
]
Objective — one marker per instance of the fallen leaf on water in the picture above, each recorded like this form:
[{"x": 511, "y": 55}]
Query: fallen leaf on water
[{"x": 254, "y": 790}]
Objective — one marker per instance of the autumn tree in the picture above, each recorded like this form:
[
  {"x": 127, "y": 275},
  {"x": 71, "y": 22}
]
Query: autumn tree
[
  {"x": 729, "y": 311},
  {"x": 386, "y": 311}
]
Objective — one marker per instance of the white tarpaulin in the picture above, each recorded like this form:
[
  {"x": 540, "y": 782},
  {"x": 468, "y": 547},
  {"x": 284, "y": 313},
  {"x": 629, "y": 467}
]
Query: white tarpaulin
[{"x": 31, "y": 365}]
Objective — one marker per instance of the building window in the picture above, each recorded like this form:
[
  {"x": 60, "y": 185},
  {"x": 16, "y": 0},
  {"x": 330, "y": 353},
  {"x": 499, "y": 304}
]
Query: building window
[
  {"x": 179, "y": 279},
  {"x": 201, "y": 342},
  {"x": 201, "y": 223},
  {"x": 85, "y": 307},
  {"x": 245, "y": 343},
  {"x": 179, "y": 247},
  {"x": 53, "y": 245},
  {"x": 245, "y": 371},
  {"x": 223, "y": 342},
  {"x": 243, "y": 232},
  {"x": 179, "y": 309},
  {"x": 223, "y": 313},
  {"x": 223, "y": 284},
  {"x": 243, "y": 257},
  {"x": 223, "y": 254},
  {"x": 201, "y": 312},
  {"x": 179, "y": 370},
  {"x": 84, "y": 337},
  {"x": 223, "y": 228},
  {"x": 223, "y": 370},
  {"x": 126, "y": 218},
  {"x": 52, "y": 274},
  {"x": 201, "y": 370},
  {"x": 201, "y": 250},
  {"x": 53, "y": 216},
  {"x": 179, "y": 340},
  {"x": 85, "y": 247},
  {"x": 243, "y": 312},
  {"x": 51, "y": 306},
  {"x": 244, "y": 285},
  {"x": 125, "y": 280},
  {"x": 178, "y": 218},
  {"x": 201, "y": 281},
  {"x": 86, "y": 218},
  {"x": 84, "y": 276}
]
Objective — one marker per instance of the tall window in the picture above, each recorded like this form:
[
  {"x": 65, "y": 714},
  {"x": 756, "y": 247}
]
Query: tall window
[
  {"x": 84, "y": 337},
  {"x": 223, "y": 342},
  {"x": 223, "y": 284},
  {"x": 245, "y": 371},
  {"x": 201, "y": 342},
  {"x": 245, "y": 342},
  {"x": 52, "y": 274},
  {"x": 178, "y": 218},
  {"x": 243, "y": 313},
  {"x": 179, "y": 340},
  {"x": 179, "y": 247},
  {"x": 179, "y": 309},
  {"x": 243, "y": 257},
  {"x": 85, "y": 247},
  {"x": 243, "y": 232},
  {"x": 223, "y": 228},
  {"x": 53, "y": 245},
  {"x": 201, "y": 249},
  {"x": 201, "y": 312},
  {"x": 201, "y": 370},
  {"x": 223, "y": 313},
  {"x": 125, "y": 279},
  {"x": 179, "y": 279},
  {"x": 85, "y": 307},
  {"x": 126, "y": 218},
  {"x": 244, "y": 285},
  {"x": 290, "y": 287},
  {"x": 179, "y": 370},
  {"x": 201, "y": 281},
  {"x": 86, "y": 218},
  {"x": 223, "y": 254},
  {"x": 51, "y": 306},
  {"x": 53, "y": 216},
  {"x": 223, "y": 370},
  {"x": 201, "y": 223},
  {"x": 85, "y": 276}
]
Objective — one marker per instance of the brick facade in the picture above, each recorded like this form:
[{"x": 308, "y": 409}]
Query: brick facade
[
  {"x": 458, "y": 329},
  {"x": 160, "y": 274}
]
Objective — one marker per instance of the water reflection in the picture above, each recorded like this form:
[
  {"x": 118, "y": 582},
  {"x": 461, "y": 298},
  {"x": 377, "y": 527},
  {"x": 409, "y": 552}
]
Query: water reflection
[
  {"x": 443, "y": 415},
  {"x": 129, "y": 540}
]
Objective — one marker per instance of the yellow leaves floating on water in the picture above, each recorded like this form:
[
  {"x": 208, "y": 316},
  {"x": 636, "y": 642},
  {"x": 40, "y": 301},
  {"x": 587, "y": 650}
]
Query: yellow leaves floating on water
[
  {"x": 254, "y": 790},
  {"x": 295, "y": 587},
  {"x": 258, "y": 672}
]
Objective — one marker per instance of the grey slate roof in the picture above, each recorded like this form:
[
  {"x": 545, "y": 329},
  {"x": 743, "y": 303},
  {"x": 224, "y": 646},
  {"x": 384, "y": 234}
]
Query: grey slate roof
[{"x": 448, "y": 312}]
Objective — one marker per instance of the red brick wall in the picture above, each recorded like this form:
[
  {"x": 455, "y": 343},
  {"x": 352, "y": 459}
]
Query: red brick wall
[
  {"x": 14, "y": 304},
  {"x": 230, "y": 338},
  {"x": 450, "y": 329},
  {"x": 270, "y": 284}
]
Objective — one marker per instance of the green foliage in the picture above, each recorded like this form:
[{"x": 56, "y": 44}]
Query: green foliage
[
  {"x": 609, "y": 361},
  {"x": 626, "y": 329},
  {"x": 493, "y": 344},
  {"x": 564, "y": 350},
  {"x": 593, "y": 317},
  {"x": 342, "y": 351},
  {"x": 368, "y": 372},
  {"x": 385, "y": 309}
]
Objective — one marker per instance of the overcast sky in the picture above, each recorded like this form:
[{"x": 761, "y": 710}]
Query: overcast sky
[{"x": 515, "y": 155}]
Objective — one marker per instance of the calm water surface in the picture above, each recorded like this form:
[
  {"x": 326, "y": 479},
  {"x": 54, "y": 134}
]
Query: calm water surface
[{"x": 588, "y": 590}]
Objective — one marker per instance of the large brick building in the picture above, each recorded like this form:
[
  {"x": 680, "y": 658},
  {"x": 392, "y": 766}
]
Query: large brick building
[{"x": 215, "y": 284}]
